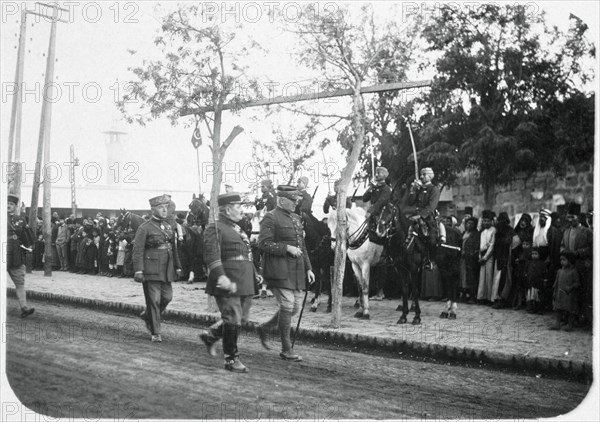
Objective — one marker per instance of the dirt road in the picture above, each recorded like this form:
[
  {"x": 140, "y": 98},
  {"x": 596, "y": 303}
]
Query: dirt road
[{"x": 73, "y": 362}]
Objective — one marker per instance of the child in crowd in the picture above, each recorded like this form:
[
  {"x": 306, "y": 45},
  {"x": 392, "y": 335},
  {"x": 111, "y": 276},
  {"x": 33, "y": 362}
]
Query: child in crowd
[
  {"x": 521, "y": 264},
  {"x": 121, "y": 255},
  {"x": 566, "y": 292},
  {"x": 537, "y": 278}
]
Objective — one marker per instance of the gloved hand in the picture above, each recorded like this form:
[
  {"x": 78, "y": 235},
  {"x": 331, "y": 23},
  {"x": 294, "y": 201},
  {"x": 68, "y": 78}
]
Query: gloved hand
[{"x": 224, "y": 283}]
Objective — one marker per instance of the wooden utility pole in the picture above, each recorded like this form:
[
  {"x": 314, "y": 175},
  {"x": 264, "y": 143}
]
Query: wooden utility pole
[
  {"x": 14, "y": 137},
  {"x": 74, "y": 162},
  {"x": 44, "y": 146}
]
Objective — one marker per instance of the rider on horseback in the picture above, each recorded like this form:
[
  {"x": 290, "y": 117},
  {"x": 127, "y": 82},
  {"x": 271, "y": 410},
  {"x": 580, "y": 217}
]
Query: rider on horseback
[
  {"x": 424, "y": 195},
  {"x": 379, "y": 194}
]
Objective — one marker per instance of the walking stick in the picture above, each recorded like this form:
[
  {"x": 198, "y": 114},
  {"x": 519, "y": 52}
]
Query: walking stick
[{"x": 299, "y": 318}]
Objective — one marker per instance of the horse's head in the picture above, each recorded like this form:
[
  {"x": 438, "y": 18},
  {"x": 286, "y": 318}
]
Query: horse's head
[
  {"x": 123, "y": 218},
  {"x": 388, "y": 220}
]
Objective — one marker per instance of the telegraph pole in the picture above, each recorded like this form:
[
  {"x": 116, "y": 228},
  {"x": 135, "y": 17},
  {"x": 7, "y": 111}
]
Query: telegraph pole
[
  {"x": 14, "y": 137},
  {"x": 74, "y": 162},
  {"x": 44, "y": 145}
]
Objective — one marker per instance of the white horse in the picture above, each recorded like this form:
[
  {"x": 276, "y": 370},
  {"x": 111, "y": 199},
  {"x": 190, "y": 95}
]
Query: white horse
[{"x": 362, "y": 258}]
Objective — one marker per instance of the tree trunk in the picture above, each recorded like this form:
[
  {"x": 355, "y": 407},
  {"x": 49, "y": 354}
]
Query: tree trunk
[
  {"x": 489, "y": 196},
  {"x": 358, "y": 117}
]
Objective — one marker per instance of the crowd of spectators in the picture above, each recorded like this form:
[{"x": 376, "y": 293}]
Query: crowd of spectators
[{"x": 523, "y": 267}]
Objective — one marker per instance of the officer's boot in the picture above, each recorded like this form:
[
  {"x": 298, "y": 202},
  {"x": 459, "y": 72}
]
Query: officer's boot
[
  {"x": 230, "y": 336},
  {"x": 265, "y": 330},
  {"x": 285, "y": 325},
  {"x": 211, "y": 336}
]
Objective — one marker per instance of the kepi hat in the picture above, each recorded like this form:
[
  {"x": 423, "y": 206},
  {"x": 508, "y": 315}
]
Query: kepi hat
[
  {"x": 12, "y": 198},
  {"x": 287, "y": 191},
  {"x": 229, "y": 198},
  {"x": 382, "y": 170},
  {"x": 160, "y": 200}
]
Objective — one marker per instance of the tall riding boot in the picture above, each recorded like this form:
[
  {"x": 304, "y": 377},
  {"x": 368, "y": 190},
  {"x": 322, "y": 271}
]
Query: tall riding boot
[
  {"x": 230, "y": 335},
  {"x": 211, "y": 336},
  {"x": 285, "y": 325},
  {"x": 267, "y": 329}
]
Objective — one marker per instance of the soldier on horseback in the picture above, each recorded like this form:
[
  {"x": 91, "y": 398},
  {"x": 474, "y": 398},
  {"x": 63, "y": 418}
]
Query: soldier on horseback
[
  {"x": 424, "y": 195},
  {"x": 378, "y": 194}
]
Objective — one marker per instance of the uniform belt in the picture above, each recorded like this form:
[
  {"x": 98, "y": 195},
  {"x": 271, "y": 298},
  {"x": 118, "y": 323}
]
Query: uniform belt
[
  {"x": 237, "y": 258},
  {"x": 166, "y": 246}
]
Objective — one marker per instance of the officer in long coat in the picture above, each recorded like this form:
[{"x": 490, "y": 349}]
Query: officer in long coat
[
  {"x": 286, "y": 266},
  {"x": 231, "y": 278},
  {"x": 156, "y": 263},
  {"x": 20, "y": 239}
]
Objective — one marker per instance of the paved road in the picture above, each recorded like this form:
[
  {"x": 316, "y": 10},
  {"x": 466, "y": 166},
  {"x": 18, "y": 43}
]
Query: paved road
[
  {"x": 515, "y": 334},
  {"x": 74, "y": 362}
]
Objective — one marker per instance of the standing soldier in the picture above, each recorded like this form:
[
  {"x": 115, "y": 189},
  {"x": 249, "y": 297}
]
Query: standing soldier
[
  {"x": 156, "y": 263},
  {"x": 285, "y": 266},
  {"x": 579, "y": 240},
  {"x": 305, "y": 200},
  {"x": 267, "y": 200},
  {"x": 19, "y": 240},
  {"x": 378, "y": 194},
  {"x": 231, "y": 278}
]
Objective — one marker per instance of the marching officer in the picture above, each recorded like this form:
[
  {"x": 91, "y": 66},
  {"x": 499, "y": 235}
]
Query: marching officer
[
  {"x": 378, "y": 194},
  {"x": 156, "y": 263},
  {"x": 19, "y": 240},
  {"x": 305, "y": 200},
  {"x": 286, "y": 266},
  {"x": 267, "y": 200},
  {"x": 231, "y": 278}
]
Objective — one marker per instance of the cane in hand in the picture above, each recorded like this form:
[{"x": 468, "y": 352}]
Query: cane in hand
[{"x": 299, "y": 318}]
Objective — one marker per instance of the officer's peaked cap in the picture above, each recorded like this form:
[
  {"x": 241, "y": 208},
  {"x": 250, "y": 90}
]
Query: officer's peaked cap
[
  {"x": 287, "y": 191},
  {"x": 13, "y": 198},
  {"x": 229, "y": 198},
  {"x": 160, "y": 200}
]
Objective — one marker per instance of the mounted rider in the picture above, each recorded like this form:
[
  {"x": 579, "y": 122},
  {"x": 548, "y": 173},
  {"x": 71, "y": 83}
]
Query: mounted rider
[
  {"x": 378, "y": 194},
  {"x": 424, "y": 195},
  {"x": 305, "y": 201}
]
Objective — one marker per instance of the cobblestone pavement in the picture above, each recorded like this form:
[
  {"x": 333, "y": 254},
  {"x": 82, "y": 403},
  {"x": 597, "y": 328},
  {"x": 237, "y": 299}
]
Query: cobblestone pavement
[{"x": 510, "y": 334}]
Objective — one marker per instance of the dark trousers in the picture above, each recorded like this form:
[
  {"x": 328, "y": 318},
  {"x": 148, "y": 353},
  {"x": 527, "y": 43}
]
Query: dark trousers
[
  {"x": 235, "y": 310},
  {"x": 158, "y": 294}
]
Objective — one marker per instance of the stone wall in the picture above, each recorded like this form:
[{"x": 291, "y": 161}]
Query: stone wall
[{"x": 542, "y": 190}]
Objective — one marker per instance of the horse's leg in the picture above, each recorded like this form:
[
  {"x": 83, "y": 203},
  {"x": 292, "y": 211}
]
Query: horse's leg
[
  {"x": 366, "y": 275},
  {"x": 405, "y": 283},
  {"x": 417, "y": 291},
  {"x": 359, "y": 301}
]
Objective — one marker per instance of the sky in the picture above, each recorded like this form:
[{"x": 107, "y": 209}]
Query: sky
[{"x": 91, "y": 71}]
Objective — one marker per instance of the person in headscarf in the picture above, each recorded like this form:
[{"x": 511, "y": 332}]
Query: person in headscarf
[{"x": 506, "y": 240}]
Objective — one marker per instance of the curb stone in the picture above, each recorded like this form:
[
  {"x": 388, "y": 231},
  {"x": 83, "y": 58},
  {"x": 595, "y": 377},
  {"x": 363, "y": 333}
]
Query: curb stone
[{"x": 328, "y": 335}]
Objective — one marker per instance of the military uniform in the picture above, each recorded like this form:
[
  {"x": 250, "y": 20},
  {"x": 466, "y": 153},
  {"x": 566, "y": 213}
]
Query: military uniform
[
  {"x": 305, "y": 203},
  {"x": 155, "y": 256},
  {"x": 284, "y": 273},
  {"x": 228, "y": 253},
  {"x": 267, "y": 200},
  {"x": 331, "y": 202},
  {"x": 19, "y": 237},
  {"x": 379, "y": 195}
]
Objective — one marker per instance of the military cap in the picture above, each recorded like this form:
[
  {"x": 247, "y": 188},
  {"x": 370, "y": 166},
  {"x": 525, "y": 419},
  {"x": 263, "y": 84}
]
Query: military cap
[
  {"x": 574, "y": 209},
  {"x": 287, "y": 191},
  {"x": 487, "y": 214},
  {"x": 13, "y": 198},
  {"x": 229, "y": 198},
  {"x": 304, "y": 180},
  {"x": 427, "y": 170},
  {"x": 545, "y": 212},
  {"x": 159, "y": 200},
  {"x": 382, "y": 170}
]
